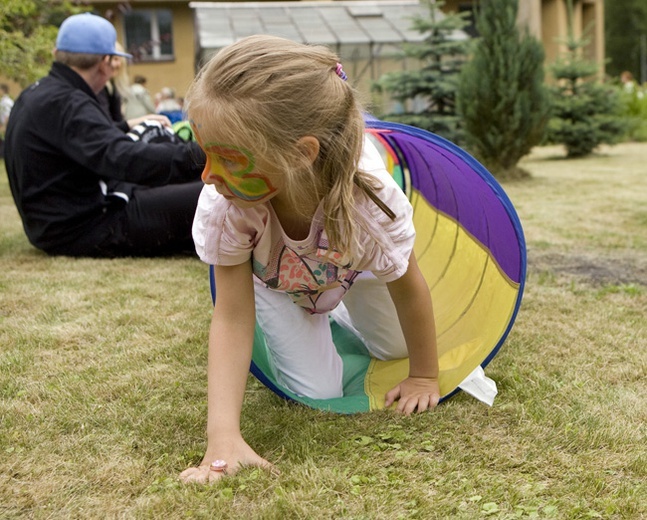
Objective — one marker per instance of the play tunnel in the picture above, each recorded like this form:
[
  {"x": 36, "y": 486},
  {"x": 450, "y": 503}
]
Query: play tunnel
[{"x": 471, "y": 250}]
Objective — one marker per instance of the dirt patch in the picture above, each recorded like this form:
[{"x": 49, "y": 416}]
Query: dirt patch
[{"x": 593, "y": 270}]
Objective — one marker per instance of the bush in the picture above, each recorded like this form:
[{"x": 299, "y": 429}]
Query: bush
[
  {"x": 502, "y": 97},
  {"x": 427, "y": 96},
  {"x": 585, "y": 111},
  {"x": 633, "y": 108}
]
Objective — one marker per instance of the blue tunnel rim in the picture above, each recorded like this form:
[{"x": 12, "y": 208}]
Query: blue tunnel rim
[
  {"x": 496, "y": 187},
  {"x": 491, "y": 182}
]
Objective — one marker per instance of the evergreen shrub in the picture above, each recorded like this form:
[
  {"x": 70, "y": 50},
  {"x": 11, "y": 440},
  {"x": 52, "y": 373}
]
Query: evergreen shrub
[
  {"x": 426, "y": 96},
  {"x": 502, "y": 97}
]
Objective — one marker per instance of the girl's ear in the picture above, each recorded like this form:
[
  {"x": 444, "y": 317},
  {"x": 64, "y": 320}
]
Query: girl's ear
[{"x": 309, "y": 145}]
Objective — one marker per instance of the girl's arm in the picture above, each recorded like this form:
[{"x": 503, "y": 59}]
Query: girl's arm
[
  {"x": 230, "y": 350},
  {"x": 412, "y": 301}
]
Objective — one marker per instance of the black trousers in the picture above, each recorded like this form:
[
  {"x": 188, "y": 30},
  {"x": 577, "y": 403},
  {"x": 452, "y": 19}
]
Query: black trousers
[{"x": 156, "y": 221}]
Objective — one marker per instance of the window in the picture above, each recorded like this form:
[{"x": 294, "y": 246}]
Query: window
[{"x": 149, "y": 34}]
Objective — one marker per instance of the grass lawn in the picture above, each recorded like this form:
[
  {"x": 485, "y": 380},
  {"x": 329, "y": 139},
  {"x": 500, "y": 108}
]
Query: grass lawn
[{"x": 103, "y": 382}]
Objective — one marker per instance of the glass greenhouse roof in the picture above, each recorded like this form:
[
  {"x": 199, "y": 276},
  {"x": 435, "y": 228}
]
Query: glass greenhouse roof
[{"x": 328, "y": 23}]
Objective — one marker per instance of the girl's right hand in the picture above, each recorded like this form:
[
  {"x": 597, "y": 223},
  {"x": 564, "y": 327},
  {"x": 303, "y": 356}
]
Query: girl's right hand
[{"x": 236, "y": 455}]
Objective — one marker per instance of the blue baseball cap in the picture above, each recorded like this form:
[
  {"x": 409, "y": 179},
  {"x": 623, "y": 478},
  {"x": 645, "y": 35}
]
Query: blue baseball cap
[{"x": 88, "y": 34}]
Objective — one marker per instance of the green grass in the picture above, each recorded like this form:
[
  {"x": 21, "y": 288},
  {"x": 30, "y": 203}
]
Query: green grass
[{"x": 102, "y": 385}]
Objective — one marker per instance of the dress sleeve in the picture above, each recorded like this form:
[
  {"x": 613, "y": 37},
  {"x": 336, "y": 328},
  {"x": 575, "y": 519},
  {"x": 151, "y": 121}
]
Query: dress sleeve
[
  {"x": 387, "y": 244},
  {"x": 223, "y": 234}
]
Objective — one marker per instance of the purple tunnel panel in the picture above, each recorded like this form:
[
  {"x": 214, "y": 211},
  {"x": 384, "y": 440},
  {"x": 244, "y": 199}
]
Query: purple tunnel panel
[{"x": 452, "y": 185}]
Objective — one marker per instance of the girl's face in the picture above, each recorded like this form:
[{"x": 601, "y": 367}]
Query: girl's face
[{"x": 236, "y": 173}]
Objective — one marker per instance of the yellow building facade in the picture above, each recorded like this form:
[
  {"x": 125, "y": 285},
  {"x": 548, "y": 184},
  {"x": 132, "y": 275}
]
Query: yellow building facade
[
  {"x": 173, "y": 46},
  {"x": 174, "y": 69},
  {"x": 547, "y": 20}
]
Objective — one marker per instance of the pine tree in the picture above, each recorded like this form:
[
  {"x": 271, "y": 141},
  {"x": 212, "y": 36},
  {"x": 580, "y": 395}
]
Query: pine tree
[
  {"x": 585, "y": 112},
  {"x": 442, "y": 54},
  {"x": 502, "y": 96}
]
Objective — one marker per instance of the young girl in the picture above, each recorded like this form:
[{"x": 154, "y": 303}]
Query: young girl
[{"x": 297, "y": 213}]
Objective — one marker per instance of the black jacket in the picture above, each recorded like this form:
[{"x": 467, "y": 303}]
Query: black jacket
[
  {"x": 60, "y": 144},
  {"x": 110, "y": 100}
]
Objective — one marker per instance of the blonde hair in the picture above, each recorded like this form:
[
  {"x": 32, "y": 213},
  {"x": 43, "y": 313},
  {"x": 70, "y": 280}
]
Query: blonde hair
[
  {"x": 121, "y": 80},
  {"x": 270, "y": 92}
]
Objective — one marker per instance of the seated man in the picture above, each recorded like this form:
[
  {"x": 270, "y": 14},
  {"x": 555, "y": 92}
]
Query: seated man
[{"x": 85, "y": 186}]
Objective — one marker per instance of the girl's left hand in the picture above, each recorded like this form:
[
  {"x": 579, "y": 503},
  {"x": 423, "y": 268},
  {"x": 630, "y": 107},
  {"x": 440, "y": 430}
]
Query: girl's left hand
[{"x": 414, "y": 394}]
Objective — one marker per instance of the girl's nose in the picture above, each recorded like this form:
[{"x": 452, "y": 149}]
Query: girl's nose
[{"x": 212, "y": 172}]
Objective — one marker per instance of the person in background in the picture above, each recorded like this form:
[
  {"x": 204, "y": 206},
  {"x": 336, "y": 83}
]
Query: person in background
[
  {"x": 168, "y": 105},
  {"x": 85, "y": 186},
  {"x": 113, "y": 95},
  {"x": 627, "y": 81},
  {"x": 138, "y": 101},
  {"x": 167, "y": 101},
  {"x": 6, "y": 104}
]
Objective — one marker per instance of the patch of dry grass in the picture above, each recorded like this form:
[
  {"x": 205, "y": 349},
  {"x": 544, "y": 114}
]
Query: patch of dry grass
[{"x": 102, "y": 385}]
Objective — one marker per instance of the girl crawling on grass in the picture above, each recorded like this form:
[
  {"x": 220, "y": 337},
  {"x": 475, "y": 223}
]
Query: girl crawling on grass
[{"x": 301, "y": 220}]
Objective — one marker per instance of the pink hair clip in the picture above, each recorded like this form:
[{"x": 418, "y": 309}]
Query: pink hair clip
[{"x": 340, "y": 72}]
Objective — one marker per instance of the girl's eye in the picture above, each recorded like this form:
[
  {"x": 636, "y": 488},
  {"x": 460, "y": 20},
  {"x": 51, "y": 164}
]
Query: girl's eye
[{"x": 229, "y": 164}]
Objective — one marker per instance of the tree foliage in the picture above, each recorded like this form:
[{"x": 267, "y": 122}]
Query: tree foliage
[
  {"x": 28, "y": 34},
  {"x": 625, "y": 23},
  {"x": 502, "y": 97},
  {"x": 433, "y": 86},
  {"x": 585, "y": 111}
]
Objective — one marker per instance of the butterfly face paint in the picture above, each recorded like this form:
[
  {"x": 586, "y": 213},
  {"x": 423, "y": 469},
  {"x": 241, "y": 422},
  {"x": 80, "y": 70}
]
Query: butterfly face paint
[{"x": 234, "y": 167}]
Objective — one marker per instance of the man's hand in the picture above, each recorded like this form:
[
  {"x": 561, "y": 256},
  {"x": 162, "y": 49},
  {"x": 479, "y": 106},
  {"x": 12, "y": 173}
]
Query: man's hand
[
  {"x": 163, "y": 120},
  {"x": 152, "y": 131}
]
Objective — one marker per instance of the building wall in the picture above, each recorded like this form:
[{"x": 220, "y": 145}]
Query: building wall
[
  {"x": 547, "y": 20},
  {"x": 177, "y": 73},
  {"x": 530, "y": 16},
  {"x": 593, "y": 18},
  {"x": 553, "y": 14}
]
